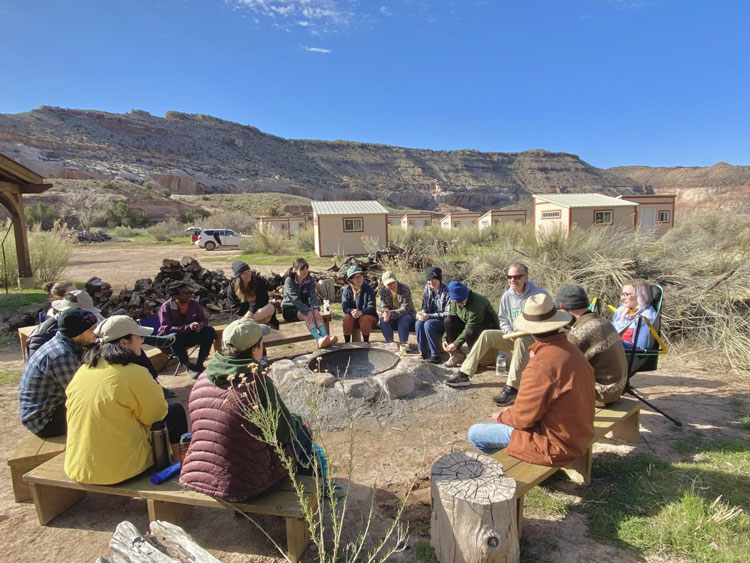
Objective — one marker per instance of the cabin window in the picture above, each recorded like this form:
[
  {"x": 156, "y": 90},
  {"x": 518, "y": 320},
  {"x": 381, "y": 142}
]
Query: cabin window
[
  {"x": 353, "y": 224},
  {"x": 665, "y": 216},
  {"x": 603, "y": 217}
]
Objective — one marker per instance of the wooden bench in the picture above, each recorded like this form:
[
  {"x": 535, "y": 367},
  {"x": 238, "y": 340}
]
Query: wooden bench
[
  {"x": 31, "y": 452},
  {"x": 54, "y": 492},
  {"x": 276, "y": 338},
  {"x": 620, "y": 420},
  {"x": 23, "y": 335}
]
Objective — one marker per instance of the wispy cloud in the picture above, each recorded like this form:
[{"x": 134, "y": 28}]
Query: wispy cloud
[
  {"x": 316, "y": 50},
  {"x": 629, "y": 4},
  {"x": 318, "y": 15},
  {"x": 385, "y": 11}
]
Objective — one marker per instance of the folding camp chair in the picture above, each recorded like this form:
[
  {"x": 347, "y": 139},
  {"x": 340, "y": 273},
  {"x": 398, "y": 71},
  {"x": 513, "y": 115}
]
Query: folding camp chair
[
  {"x": 648, "y": 359},
  {"x": 153, "y": 322}
]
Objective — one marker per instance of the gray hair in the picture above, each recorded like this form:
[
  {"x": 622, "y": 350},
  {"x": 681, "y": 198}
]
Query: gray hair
[{"x": 519, "y": 266}]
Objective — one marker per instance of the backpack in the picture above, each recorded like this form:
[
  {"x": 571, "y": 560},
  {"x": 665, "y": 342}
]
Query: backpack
[{"x": 42, "y": 333}]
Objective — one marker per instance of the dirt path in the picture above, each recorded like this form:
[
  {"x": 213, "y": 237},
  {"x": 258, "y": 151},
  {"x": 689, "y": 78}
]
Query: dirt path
[{"x": 388, "y": 454}]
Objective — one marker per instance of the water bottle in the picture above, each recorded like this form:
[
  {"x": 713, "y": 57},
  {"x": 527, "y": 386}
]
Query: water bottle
[
  {"x": 161, "y": 446},
  {"x": 326, "y": 306},
  {"x": 500, "y": 365}
]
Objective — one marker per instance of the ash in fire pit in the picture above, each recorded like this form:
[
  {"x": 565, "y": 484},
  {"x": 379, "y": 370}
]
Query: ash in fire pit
[{"x": 354, "y": 362}]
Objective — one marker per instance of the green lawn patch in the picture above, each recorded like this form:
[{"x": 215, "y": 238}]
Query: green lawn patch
[
  {"x": 21, "y": 297},
  {"x": 259, "y": 259},
  {"x": 694, "y": 509},
  {"x": 9, "y": 377}
]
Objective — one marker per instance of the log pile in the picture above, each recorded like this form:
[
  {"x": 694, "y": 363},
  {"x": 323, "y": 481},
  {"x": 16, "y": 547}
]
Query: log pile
[
  {"x": 165, "y": 543},
  {"x": 87, "y": 237}
]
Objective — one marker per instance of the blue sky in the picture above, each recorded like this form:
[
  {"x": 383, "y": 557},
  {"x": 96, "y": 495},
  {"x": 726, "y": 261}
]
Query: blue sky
[{"x": 617, "y": 82}]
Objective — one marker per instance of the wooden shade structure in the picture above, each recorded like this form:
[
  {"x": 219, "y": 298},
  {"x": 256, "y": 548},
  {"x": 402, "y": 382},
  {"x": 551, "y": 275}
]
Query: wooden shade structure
[{"x": 16, "y": 180}]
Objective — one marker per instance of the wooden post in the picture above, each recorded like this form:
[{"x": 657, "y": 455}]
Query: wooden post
[{"x": 474, "y": 517}]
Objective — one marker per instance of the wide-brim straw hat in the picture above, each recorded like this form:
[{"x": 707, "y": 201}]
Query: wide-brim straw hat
[{"x": 540, "y": 315}]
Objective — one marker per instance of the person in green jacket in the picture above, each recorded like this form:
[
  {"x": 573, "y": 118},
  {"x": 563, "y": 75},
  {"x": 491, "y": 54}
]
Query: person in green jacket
[{"x": 470, "y": 314}]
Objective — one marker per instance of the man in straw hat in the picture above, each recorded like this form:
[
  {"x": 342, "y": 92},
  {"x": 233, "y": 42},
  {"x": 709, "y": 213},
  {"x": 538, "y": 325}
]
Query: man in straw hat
[{"x": 552, "y": 420}]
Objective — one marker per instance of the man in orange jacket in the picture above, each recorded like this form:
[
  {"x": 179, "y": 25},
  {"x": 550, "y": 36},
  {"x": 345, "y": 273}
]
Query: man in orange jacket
[{"x": 552, "y": 420}]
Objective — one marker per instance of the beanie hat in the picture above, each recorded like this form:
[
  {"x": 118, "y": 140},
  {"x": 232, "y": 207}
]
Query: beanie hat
[
  {"x": 572, "y": 297},
  {"x": 433, "y": 273},
  {"x": 458, "y": 291},
  {"x": 238, "y": 266},
  {"x": 74, "y": 321}
]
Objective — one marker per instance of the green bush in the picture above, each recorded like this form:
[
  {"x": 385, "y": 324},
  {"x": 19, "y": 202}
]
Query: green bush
[
  {"x": 121, "y": 214},
  {"x": 41, "y": 214},
  {"x": 165, "y": 230},
  {"x": 126, "y": 232},
  {"x": 305, "y": 240},
  {"x": 49, "y": 252},
  {"x": 265, "y": 241}
]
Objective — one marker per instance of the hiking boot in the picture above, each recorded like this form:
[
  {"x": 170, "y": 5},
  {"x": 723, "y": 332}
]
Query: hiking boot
[
  {"x": 273, "y": 322},
  {"x": 192, "y": 371},
  {"x": 506, "y": 397},
  {"x": 456, "y": 359},
  {"x": 458, "y": 380},
  {"x": 432, "y": 360},
  {"x": 166, "y": 341}
]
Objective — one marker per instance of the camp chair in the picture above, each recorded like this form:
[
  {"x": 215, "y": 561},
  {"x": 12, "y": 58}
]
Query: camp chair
[
  {"x": 648, "y": 359},
  {"x": 153, "y": 322}
]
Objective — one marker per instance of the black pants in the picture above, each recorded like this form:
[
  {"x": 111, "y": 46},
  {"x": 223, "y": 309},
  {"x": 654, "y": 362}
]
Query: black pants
[
  {"x": 454, "y": 326},
  {"x": 146, "y": 363},
  {"x": 176, "y": 420},
  {"x": 57, "y": 425}
]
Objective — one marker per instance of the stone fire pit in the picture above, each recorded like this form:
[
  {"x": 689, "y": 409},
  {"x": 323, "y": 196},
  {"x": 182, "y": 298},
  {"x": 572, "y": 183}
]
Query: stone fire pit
[{"x": 354, "y": 362}]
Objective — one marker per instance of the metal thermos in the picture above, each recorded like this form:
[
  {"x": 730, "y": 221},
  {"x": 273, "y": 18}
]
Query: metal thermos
[
  {"x": 500, "y": 365},
  {"x": 184, "y": 445},
  {"x": 160, "y": 444}
]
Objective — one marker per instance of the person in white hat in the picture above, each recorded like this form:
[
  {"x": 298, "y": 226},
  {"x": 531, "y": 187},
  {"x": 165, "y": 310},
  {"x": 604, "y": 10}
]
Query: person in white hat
[
  {"x": 111, "y": 404},
  {"x": 552, "y": 420}
]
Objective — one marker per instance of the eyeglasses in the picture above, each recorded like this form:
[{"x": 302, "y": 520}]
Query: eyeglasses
[{"x": 518, "y": 277}]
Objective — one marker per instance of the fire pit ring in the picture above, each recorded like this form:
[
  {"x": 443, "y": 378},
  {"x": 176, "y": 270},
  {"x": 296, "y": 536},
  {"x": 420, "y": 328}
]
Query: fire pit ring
[{"x": 354, "y": 362}]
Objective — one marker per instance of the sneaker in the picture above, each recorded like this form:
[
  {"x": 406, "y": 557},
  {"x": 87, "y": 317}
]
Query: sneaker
[
  {"x": 324, "y": 342},
  {"x": 506, "y": 397},
  {"x": 273, "y": 322},
  {"x": 334, "y": 340},
  {"x": 456, "y": 359},
  {"x": 432, "y": 360},
  {"x": 168, "y": 393},
  {"x": 458, "y": 380},
  {"x": 193, "y": 373}
]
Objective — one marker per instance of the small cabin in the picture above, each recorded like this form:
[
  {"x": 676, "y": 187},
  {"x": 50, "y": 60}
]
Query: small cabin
[
  {"x": 654, "y": 212},
  {"x": 498, "y": 216},
  {"x": 460, "y": 220},
  {"x": 340, "y": 227},
  {"x": 419, "y": 219},
  {"x": 563, "y": 211},
  {"x": 288, "y": 226}
]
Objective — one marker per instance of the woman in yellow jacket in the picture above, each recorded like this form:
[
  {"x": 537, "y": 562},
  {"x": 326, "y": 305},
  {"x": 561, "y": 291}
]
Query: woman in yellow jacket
[{"x": 112, "y": 403}]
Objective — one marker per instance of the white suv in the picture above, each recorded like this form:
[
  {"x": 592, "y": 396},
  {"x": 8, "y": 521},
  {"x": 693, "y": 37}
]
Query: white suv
[{"x": 212, "y": 238}]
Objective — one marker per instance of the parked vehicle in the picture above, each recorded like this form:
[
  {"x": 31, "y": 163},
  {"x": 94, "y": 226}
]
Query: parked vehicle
[
  {"x": 213, "y": 238},
  {"x": 195, "y": 233}
]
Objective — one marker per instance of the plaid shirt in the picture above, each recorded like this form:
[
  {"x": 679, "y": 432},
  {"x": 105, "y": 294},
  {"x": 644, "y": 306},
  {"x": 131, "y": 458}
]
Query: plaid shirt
[{"x": 45, "y": 378}]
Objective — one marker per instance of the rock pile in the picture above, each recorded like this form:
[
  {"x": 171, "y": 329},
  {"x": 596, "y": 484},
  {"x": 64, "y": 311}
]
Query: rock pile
[{"x": 87, "y": 237}]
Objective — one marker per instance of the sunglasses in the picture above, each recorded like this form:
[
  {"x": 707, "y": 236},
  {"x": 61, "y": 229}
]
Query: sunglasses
[{"x": 518, "y": 277}]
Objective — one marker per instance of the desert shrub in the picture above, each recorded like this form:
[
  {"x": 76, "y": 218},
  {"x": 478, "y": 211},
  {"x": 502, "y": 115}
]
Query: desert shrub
[
  {"x": 236, "y": 220},
  {"x": 265, "y": 241},
  {"x": 121, "y": 214},
  {"x": 192, "y": 216},
  {"x": 126, "y": 232},
  {"x": 166, "y": 229},
  {"x": 41, "y": 214},
  {"x": 85, "y": 209},
  {"x": 49, "y": 252},
  {"x": 305, "y": 240}
]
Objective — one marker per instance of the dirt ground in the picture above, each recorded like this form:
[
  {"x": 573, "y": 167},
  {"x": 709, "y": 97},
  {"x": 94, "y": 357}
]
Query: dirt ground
[{"x": 388, "y": 454}]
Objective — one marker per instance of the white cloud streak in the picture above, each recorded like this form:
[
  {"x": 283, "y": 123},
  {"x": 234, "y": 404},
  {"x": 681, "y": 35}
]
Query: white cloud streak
[
  {"x": 316, "y": 14},
  {"x": 316, "y": 50}
]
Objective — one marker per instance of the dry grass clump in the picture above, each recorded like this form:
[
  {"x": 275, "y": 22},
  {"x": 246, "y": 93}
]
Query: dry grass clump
[
  {"x": 49, "y": 252},
  {"x": 702, "y": 264}
]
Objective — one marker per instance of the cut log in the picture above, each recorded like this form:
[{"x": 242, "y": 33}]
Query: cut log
[
  {"x": 473, "y": 510},
  {"x": 179, "y": 544},
  {"x": 128, "y": 543}
]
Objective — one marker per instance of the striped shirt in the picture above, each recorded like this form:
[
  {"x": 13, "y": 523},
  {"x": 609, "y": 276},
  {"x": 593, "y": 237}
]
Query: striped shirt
[{"x": 45, "y": 378}]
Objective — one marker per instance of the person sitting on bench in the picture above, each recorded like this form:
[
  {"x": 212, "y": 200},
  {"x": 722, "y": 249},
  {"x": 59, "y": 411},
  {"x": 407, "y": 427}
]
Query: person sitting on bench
[
  {"x": 183, "y": 317},
  {"x": 636, "y": 303},
  {"x": 598, "y": 340},
  {"x": 396, "y": 309},
  {"x": 57, "y": 291},
  {"x": 430, "y": 325},
  {"x": 300, "y": 302},
  {"x": 358, "y": 304},
  {"x": 248, "y": 296},
  {"x": 470, "y": 315},
  {"x": 552, "y": 420},
  {"x": 42, "y": 391},
  {"x": 228, "y": 456},
  {"x": 112, "y": 403}
]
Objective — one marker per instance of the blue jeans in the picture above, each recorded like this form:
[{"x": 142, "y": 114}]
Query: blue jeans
[
  {"x": 204, "y": 338},
  {"x": 490, "y": 437},
  {"x": 429, "y": 334},
  {"x": 404, "y": 324}
]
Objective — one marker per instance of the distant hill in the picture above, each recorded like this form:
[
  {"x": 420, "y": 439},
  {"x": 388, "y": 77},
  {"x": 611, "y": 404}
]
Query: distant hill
[{"x": 197, "y": 154}]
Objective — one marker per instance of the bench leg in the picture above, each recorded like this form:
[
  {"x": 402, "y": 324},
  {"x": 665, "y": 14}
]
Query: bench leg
[
  {"x": 297, "y": 538},
  {"x": 357, "y": 335},
  {"x": 580, "y": 470},
  {"x": 52, "y": 501},
  {"x": 167, "y": 511},
  {"x": 21, "y": 490},
  {"x": 628, "y": 430},
  {"x": 519, "y": 515}
]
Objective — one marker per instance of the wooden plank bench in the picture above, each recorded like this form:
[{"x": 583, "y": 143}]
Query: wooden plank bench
[
  {"x": 276, "y": 338},
  {"x": 31, "y": 452},
  {"x": 23, "y": 335},
  {"x": 54, "y": 492},
  {"x": 619, "y": 420}
]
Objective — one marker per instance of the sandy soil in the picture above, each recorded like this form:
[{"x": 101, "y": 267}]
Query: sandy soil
[{"x": 388, "y": 454}]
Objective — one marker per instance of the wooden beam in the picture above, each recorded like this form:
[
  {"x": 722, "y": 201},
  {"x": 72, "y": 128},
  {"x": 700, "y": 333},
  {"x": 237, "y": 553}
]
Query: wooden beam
[{"x": 18, "y": 171}]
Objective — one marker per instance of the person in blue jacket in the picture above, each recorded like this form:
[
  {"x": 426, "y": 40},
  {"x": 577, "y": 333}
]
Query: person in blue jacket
[{"x": 358, "y": 303}]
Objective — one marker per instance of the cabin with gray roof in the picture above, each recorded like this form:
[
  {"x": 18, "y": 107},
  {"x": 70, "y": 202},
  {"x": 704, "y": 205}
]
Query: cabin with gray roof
[{"x": 341, "y": 226}]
